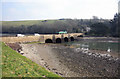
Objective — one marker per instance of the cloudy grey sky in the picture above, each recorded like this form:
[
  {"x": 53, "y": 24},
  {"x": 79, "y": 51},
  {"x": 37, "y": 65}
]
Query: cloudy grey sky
[{"x": 54, "y": 9}]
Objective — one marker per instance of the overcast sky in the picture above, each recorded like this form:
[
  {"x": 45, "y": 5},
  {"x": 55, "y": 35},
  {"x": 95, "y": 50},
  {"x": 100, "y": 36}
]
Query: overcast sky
[{"x": 13, "y": 10}]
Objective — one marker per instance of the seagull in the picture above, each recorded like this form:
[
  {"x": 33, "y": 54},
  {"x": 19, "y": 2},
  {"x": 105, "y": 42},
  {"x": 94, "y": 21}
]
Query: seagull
[{"x": 108, "y": 50}]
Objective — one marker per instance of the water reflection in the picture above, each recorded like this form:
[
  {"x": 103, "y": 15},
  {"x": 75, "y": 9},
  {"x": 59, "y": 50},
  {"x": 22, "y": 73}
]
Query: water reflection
[{"x": 109, "y": 46}]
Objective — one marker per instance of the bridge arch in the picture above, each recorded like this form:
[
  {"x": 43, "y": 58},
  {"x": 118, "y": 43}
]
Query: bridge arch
[
  {"x": 48, "y": 41},
  {"x": 66, "y": 39},
  {"x": 72, "y": 39},
  {"x": 80, "y": 36},
  {"x": 58, "y": 40}
]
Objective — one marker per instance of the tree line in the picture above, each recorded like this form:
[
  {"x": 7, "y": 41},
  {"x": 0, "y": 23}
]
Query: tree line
[{"x": 111, "y": 29}]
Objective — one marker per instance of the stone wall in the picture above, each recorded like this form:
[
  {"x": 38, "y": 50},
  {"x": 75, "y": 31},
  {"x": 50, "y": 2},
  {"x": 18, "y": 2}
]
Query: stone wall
[{"x": 21, "y": 39}]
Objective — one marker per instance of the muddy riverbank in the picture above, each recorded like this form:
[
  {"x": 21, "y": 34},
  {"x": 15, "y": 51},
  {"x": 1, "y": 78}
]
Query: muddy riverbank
[
  {"x": 69, "y": 61},
  {"x": 88, "y": 62}
]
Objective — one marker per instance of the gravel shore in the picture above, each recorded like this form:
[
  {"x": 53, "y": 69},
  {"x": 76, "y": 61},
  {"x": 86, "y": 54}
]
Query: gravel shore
[
  {"x": 68, "y": 61},
  {"x": 43, "y": 55},
  {"x": 89, "y": 63}
]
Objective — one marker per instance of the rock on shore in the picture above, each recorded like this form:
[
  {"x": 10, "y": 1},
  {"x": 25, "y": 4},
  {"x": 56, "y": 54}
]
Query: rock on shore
[{"x": 89, "y": 63}]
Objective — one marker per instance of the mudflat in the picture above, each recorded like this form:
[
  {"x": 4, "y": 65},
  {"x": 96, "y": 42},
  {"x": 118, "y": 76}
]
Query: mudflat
[{"x": 67, "y": 61}]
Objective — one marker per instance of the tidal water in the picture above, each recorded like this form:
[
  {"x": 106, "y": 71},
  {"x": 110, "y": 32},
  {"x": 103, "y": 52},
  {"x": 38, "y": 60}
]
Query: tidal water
[{"x": 97, "y": 45}]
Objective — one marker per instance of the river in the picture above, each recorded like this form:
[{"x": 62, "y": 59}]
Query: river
[{"x": 97, "y": 44}]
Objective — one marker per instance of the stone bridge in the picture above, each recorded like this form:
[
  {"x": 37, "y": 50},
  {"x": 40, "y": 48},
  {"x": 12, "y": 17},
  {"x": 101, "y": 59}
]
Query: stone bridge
[
  {"x": 44, "y": 38},
  {"x": 59, "y": 38}
]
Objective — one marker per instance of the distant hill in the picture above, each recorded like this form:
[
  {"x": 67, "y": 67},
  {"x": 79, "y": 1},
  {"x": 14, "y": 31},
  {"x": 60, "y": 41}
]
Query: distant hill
[
  {"x": 51, "y": 26},
  {"x": 26, "y": 22},
  {"x": 40, "y": 22}
]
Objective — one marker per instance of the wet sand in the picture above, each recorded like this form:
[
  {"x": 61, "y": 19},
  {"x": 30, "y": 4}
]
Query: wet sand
[{"x": 68, "y": 61}]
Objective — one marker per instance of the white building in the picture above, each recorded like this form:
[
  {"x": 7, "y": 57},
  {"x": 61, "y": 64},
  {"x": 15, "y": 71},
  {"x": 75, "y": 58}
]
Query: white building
[
  {"x": 20, "y": 35},
  {"x": 36, "y": 34}
]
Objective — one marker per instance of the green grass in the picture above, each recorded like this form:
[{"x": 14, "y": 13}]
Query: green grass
[
  {"x": 16, "y": 65},
  {"x": 33, "y": 42},
  {"x": 0, "y": 60},
  {"x": 26, "y": 22},
  {"x": 19, "y": 23}
]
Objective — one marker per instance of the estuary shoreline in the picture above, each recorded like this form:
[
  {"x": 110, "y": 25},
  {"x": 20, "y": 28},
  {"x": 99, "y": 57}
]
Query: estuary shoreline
[{"x": 69, "y": 61}]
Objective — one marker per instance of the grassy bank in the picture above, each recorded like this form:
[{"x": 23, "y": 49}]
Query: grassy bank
[
  {"x": 16, "y": 65},
  {"x": 33, "y": 42}
]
